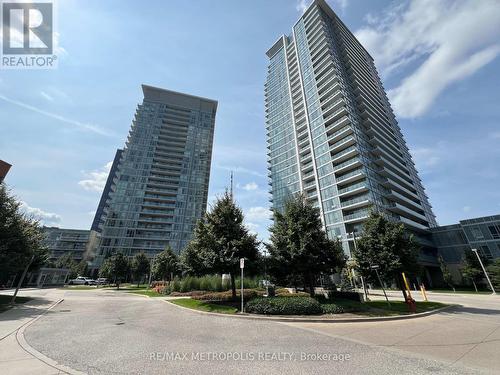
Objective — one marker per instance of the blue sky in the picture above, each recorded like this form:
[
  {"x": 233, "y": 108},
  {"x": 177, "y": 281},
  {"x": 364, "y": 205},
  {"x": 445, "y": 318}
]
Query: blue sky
[{"x": 60, "y": 128}]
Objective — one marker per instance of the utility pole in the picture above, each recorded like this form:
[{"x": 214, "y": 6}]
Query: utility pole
[
  {"x": 22, "y": 279},
  {"x": 484, "y": 270}
]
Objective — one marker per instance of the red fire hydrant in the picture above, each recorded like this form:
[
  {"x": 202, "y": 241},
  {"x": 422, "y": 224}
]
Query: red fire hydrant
[{"x": 412, "y": 306}]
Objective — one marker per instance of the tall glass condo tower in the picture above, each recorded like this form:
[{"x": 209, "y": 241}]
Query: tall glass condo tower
[
  {"x": 331, "y": 132},
  {"x": 161, "y": 185}
]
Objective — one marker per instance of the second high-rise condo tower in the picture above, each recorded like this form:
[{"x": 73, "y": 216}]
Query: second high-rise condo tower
[
  {"x": 331, "y": 132},
  {"x": 161, "y": 184}
]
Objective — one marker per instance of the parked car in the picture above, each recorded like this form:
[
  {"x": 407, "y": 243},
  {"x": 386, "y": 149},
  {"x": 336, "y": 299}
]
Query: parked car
[
  {"x": 102, "y": 281},
  {"x": 80, "y": 280}
]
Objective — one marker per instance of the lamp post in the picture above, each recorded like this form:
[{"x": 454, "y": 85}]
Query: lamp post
[
  {"x": 484, "y": 270},
  {"x": 376, "y": 267}
]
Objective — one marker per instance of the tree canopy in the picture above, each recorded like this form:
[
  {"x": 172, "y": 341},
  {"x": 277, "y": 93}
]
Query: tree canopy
[
  {"x": 388, "y": 245},
  {"x": 219, "y": 241},
  {"x": 166, "y": 264},
  {"x": 140, "y": 266},
  {"x": 299, "y": 248},
  {"x": 21, "y": 238},
  {"x": 115, "y": 268}
]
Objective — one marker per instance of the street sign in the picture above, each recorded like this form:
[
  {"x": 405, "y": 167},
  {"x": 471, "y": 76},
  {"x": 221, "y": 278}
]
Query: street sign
[
  {"x": 242, "y": 263},
  {"x": 375, "y": 267}
]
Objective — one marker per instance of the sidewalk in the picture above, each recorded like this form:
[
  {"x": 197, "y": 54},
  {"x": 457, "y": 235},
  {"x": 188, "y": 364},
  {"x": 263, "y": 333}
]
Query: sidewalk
[{"x": 14, "y": 359}]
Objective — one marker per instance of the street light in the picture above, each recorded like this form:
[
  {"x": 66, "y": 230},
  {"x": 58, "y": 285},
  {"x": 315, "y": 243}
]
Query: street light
[
  {"x": 484, "y": 270},
  {"x": 376, "y": 267}
]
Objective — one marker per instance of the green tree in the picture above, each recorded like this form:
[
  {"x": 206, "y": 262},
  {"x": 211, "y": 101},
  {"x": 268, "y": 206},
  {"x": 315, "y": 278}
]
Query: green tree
[
  {"x": 190, "y": 260},
  {"x": 115, "y": 268},
  {"x": 388, "y": 245},
  {"x": 166, "y": 264},
  {"x": 67, "y": 261},
  {"x": 447, "y": 277},
  {"x": 221, "y": 239},
  {"x": 471, "y": 269},
  {"x": 299, "y": 246},
  {"x": 494, "y": 273},
  {"x": 140, "y": 266},
  {"x": 21, "y": 238}
]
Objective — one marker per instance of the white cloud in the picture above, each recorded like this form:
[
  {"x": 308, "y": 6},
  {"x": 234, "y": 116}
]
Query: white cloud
[
  {"x": 425, "y": 158},
  {"x": 237, "y": 169},
  {"x": 450, "y": 41},
  {"x": 46, "y": 218},
  {"x": 84, "y": 126},
  {"x": 301, "y": 5},
  {"x": 250, "y": 186},
  {"x": 96, "y": 179},
  {"x": 46, "y": 96},
  {"x": 253, "y": 228},
  {"x": 258, "y": 214}
]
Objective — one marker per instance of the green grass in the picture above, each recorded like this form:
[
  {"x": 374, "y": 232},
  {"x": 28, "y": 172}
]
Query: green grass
[
  {"x": 400, "y": 307},
  {"x": 204, "y": 306},
  {"x": 5, "y": 301},
  {"x": 149, "y": 293}
]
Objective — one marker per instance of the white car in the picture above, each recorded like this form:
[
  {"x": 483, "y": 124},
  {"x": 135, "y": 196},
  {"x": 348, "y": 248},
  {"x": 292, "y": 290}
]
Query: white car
[{"x": 80, "y": 280}]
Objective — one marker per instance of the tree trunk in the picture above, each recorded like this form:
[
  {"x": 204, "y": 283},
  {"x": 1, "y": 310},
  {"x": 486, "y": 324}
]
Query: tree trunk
[
  {"x": 311, "y": 284},
  {"x": 401, "y": 285},
  {"x": 475, "y": 286},
  {"x": 233, "y": 286}
]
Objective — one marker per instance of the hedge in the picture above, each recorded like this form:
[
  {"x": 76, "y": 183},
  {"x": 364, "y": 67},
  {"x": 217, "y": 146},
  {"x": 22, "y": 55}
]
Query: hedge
[
  {"x": 284, "y": 306},
  {"x": 248, "y": 294},
  {"x": 353, "y": 296}
]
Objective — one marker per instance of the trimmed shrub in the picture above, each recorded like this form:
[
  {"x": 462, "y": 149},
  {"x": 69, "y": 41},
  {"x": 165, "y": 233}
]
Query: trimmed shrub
[
  {"x": 248, "y": 294},
  {"x": 188, "y": 294},
  {"x": 284, "y": 306},
  {"x": 283, "y": 292},
  {"x": 332, "y": 308}
]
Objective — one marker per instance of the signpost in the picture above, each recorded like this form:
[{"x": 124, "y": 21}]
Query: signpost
[
  {"x": 376, "y": 267},
  {"x": 242, "y": 265}
]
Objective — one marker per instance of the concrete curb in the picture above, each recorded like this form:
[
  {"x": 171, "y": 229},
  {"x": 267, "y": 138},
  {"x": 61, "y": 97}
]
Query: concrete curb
[
  {"x": 318, "y": 320},
  {"x": 35, "y": 353}
]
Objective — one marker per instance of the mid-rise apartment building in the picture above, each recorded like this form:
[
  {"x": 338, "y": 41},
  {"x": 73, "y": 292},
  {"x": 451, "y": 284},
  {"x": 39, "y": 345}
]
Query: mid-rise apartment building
[{"x": 62, "y": 241}]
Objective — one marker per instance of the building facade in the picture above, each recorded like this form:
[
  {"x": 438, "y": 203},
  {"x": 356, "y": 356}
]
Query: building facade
[
  {"x": 62, "y": 241},
  {"x": 331, "y": 132},
  {"x": 100, "y": 214},
  {"x": 4, "y": 169},
  {"x": 482, "y": 233},
  {"x": 161, "y": 186}
]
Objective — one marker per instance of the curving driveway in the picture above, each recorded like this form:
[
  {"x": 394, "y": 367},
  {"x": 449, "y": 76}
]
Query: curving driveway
[{"x": 107, "y": 332}]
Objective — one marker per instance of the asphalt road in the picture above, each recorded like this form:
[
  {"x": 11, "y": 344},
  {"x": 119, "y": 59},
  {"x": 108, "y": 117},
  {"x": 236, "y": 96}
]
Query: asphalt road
[{"x": 118, "y": 333}]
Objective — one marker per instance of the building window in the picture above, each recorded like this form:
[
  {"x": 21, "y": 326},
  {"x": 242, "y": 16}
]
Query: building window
[
  {"x": 485, "y": 251},
  {"x": 476, "y": 232},
  {"x": 495, "y": 231}
]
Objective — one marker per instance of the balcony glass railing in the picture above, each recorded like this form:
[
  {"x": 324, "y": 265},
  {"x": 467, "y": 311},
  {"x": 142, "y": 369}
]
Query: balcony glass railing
[
  {"x": 342, "y": 141},
  {"x": 352, "y": 187},
  {"x": 346, "y": 163},
  {"x": 343, "y": 152},
  {"x": 357, "y": 215},
  {"x": 350, "y": 174},
  {"x": 355, "y": 200}
]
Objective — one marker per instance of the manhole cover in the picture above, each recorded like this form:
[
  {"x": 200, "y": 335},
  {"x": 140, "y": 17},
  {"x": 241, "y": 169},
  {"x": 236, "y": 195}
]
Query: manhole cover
[
  {"x": 119, "y": 323},
  {"x": 64, "y": 310}
]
